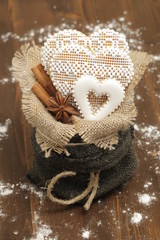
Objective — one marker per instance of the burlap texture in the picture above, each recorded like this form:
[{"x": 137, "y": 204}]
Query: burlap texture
[
  {"x": 53, "y": 135},
  {"x": 115, "y": 166}
]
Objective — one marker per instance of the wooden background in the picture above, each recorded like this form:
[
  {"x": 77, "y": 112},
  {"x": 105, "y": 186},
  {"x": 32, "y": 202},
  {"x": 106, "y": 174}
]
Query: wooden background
[{"x": 27, "y": 213}]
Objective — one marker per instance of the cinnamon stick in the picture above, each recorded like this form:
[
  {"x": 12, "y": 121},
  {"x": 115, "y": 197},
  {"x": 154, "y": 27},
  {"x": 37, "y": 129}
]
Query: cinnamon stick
[
  {"x": 48, "y": 80},
  {"x": 44, "y": 80},
  {"x": 40, "y": 92}
]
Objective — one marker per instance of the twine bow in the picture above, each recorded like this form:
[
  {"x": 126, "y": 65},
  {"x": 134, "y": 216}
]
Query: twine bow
[{"x": 91, "y": 188}]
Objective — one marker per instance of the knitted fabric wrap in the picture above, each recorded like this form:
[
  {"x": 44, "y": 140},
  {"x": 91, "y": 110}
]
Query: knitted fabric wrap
[
  {"x": 115, "y": 166},
  {"x": 53, "y": 135}
]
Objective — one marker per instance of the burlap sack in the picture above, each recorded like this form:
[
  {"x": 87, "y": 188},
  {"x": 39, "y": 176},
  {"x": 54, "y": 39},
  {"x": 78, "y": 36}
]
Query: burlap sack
[
  {"x": 53, "y": 135},
  {"x": 115, "y": 167},
  {"x": 98, "y": 154}
]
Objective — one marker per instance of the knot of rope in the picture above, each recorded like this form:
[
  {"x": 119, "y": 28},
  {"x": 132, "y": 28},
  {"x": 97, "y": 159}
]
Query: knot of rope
[{"x": 91, "y": 188}]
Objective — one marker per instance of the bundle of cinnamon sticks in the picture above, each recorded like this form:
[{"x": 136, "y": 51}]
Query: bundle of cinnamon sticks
[{"x": 51, "y": 98}]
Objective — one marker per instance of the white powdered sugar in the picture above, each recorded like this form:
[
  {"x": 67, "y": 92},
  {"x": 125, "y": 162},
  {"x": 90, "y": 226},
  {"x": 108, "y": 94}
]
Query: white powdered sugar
[
  {"x": 4, "y": 129},
  {"x": 99, "y": 223},
  {"x": 147, "y": 184},
  {"x": 9, "y": 78},
  {"x": 4, "y": 80},
  {"x": 136, "y": 218},
  {"x": 43, "y": 230},
  {"x": 86, "y": 234},
  {"x": 156, "y": 57},
  {"x": 2, "y": 215},
  {"x": 145, "y": 198},
  {"x": 6, "y": 189},
  {"x": 15, "y": 232},
  {"x": 32, "y": 189},
  {"x": 150, "y": 132}
]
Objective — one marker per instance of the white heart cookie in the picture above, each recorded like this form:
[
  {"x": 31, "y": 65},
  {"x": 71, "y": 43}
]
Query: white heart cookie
[
  {"x": 110, "y": 87},
  {"x": 69, "y": 54}
]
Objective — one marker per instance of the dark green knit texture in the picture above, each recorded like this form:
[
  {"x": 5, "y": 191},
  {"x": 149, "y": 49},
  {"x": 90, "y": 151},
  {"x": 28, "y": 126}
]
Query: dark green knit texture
[{"x": 116, "y": 166}]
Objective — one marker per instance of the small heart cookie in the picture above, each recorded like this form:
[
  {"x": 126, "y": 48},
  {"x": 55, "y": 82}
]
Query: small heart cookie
[{"x": 111, "y": 87}]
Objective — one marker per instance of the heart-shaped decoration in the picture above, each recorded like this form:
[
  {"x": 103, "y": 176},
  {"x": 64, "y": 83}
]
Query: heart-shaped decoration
[
  {"x": 111, "y": 87},
  {"x": 69, "y": 54}
]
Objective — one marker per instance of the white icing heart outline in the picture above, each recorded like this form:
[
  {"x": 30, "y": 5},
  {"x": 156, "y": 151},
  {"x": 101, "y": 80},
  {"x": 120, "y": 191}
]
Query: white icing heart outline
[{"x": 110, "y": 87}]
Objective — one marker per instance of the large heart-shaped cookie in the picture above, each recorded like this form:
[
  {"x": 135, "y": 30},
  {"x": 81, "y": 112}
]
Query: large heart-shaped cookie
[{"x": 69, "y": 55}]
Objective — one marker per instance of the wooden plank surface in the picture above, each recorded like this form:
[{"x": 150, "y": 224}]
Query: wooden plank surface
[{"x": 130, "y": 212}]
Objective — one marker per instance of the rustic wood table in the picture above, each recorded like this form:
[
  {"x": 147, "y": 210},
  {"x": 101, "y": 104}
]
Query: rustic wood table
[{"x": 131, "y": 211}]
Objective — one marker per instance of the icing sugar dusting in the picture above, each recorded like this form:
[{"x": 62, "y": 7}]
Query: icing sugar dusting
[
  {"x": 4, "y": 80},
  {"x": 2, "y": 215},
  {"x": 150, "y": 132},
  {"x": 145, "y": 199},
  {"x": 43, "y": 230},
  {"x": 147, "y": 184},
  {"x": 6, "y": 189},
  {"x": 4, "y": 129},
  {"x": 136, "y": 218},
  {"x": 156, "y": 57},
  {"x": 10, "y": 78},
  {"x": 86, "y": 234},
  {"x": 32, "y": 189}
]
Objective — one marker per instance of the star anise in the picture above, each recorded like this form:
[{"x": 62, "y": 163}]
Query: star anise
[{"x": 61, "y": 109}]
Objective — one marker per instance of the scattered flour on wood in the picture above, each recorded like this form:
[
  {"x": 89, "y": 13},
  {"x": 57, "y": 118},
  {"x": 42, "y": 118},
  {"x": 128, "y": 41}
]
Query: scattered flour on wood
[
  {"x": 32, "y": 189},
  {"x": 156, "y": 57},
  {"x": 149, "y": 134},
  {"x": 86, "y": 234},
  {"x": 147, "y": 184},
  {"x": 43, "y": 230},
  {"x": 4, "y": 80},
  {"x": 158, "y": 78},
  {"x": 99, "y": 223},
  {"x": 2, "y": 215},
  {"x": 10, "y": 78},
  {"x": 6, "y": 189},
  {"x": 157, "y": 170},
  {"x": 146, "y": 199},
  {"x": 4, "y": 129},
  {"x": 136, "y": 218},
  {"x": 138, "y": 97},
  {"x": 7, "y": 80}
]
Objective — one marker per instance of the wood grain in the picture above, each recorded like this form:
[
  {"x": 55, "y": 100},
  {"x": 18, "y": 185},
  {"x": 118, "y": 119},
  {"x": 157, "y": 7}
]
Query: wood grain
[{"x": 27, "y": 214}]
